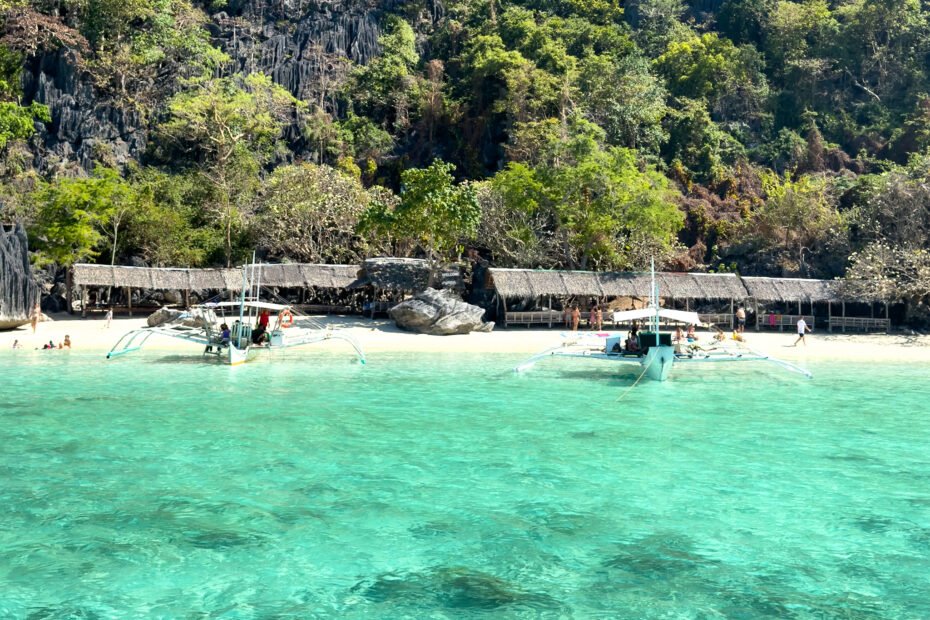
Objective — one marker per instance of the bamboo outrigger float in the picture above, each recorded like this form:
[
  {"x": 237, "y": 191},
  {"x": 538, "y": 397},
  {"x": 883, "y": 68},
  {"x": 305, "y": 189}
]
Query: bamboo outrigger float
[{"x": 203, "y": 324}]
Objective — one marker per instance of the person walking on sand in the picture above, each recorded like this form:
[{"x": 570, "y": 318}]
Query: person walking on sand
[
  {"x": 576, "y": 317},
  {"x": 36, "y": 315},
  {"x": 109, "y": 316},
  {"x": 802, "y": 329},
  {"x": 740, "y": 320}
]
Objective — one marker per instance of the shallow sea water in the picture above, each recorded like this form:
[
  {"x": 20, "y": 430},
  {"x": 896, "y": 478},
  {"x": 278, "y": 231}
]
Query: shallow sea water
[{"x": 445, "y": 486}]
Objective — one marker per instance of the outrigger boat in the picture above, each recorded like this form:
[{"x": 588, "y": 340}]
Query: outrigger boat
[
  {"x": 202, "y": 325},
  {"x": 655, "y": 353}
]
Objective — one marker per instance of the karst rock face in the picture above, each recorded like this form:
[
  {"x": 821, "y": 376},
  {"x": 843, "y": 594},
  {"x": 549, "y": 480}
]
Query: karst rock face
[
  {"x": 439, "y": 313},
  {"x": 303, "y": 45},
  {"x": 19, "y": 290}
]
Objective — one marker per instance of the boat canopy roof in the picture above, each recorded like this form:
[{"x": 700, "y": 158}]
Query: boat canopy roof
[
  {"x": 680, "y": 316},
  {"x": 263, "y": 305}
]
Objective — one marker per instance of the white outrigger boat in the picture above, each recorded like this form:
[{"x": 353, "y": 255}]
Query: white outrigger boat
[
  {"x": 655, "y": 352},
  {"x": 203, "y": 325}
]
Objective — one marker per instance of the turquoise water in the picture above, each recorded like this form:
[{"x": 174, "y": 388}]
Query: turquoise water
[{"x": 444, "y": 486}]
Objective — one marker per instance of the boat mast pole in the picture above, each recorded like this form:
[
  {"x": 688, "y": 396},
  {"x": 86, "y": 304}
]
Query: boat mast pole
[
  {"x": 655, "y": 301},
  {"x": 241, "y": 308}
]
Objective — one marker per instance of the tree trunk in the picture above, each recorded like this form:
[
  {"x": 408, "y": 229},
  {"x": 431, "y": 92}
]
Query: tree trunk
[{"x": 68, "y": 277}]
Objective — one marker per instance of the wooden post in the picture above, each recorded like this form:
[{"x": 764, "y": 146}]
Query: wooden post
[
  {"x": 731, "y": 314},
  {"x": 187, "y": 298},
  {"x": 504, "y": 302},
  {"x": 887, "y": 318},
  {"x": 83, "y": 302},
  {"x": 129, "y": 299}
]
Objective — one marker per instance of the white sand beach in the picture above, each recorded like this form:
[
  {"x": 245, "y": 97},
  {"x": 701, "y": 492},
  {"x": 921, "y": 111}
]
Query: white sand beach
[{"x": 381, "y": 335}]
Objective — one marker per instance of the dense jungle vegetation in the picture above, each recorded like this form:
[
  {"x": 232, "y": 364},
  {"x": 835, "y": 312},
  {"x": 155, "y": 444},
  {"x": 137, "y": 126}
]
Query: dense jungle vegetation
[{"x": 770, "y": 137}]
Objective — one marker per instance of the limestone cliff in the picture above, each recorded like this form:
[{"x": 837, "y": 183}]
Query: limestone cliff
[
  {"x": 303, "y": 45},
  {"x": 19, "y": 291}
]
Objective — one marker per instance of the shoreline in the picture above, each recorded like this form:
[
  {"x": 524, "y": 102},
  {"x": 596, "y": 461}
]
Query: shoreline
[{"x": 91, "y": 335}]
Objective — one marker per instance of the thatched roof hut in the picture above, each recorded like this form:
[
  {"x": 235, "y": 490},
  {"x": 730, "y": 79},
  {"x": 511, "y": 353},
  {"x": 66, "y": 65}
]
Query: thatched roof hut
[
  {"x": 158, "y": 278},
  {"x": 789, "y": 290},
  {"x": 294, "y": 275},
  {"x": 308, "y": 275},
  {"x": 527, "y": 283}
]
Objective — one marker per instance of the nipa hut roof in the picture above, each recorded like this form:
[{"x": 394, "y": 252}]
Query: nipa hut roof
[
  {"x": 287, "y": 275},
  {"x": 157, "y": 277},
  {"x": 536, "y": 283},
  {"x": 792, "y": 289}
]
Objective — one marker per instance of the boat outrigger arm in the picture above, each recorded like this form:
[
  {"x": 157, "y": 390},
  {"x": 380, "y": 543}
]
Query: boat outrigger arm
[
  {"x": 655, "y": 352},
  {"x": 589, "y": 349},
  {"x": 198, "y": 326}
]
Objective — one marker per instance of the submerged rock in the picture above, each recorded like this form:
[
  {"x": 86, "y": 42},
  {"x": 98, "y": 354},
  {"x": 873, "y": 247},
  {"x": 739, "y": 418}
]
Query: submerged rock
[{"x": 439, "y": 313}]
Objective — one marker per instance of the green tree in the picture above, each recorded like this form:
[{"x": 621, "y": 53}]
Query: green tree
[
  {"x": 311, "y": 214},
  {"x": 611, "y": 214},
  {"x": 799, "y": 213},
  {"x": 166, "y": 227},
  {"x": 709, "y": 67},
  {"x": 17, "y": 122},
  {"x": 625, "y": 99},
  {"x": 434, "y": 211},
  {"x": 516, "y": 225},
  {"x": 226, "y": 129},
  {"x": 381, "y": 89}
]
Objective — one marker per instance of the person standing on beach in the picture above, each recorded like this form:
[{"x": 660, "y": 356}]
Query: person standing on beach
[
  {"x": 36, "y": 315},
  {"x": 576, "y": 317},
  {"x": 740, "y": 320},
  {"x": 802, "y": 329},
  {"x": 109, "y": 316}
]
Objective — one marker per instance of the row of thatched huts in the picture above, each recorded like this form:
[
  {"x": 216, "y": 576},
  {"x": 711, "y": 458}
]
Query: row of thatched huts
[
  {"x": 773, "y": 302},
  {"x": 518, "y": 296}
]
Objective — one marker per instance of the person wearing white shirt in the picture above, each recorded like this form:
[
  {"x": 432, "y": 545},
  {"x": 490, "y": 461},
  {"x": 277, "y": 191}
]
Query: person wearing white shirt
[{"x": 802, "y": 329}]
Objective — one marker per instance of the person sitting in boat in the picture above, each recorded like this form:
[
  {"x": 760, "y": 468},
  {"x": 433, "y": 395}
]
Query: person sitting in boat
[
  {"x": 691, "y": 335},
  {"x": 632, "y": 344},
  {"x": 634, "y": 331}
]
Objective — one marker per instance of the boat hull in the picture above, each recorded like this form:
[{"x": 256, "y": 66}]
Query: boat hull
[
  {"x": 235, "y": 356},
  {"x": 658, "y": 362}
]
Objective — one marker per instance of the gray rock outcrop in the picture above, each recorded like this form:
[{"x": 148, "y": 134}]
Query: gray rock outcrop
[
  {"x": 439, "y": 313},
  {"x": 19, "y": 290},
  {"x": 167, "y": 315}
]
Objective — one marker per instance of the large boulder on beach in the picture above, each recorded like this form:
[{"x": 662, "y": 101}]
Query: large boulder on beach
[
  {"x": 162, "y": 316},
  {"x": 439, "y": 313},
  {"x": 167, "y": 315}
]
